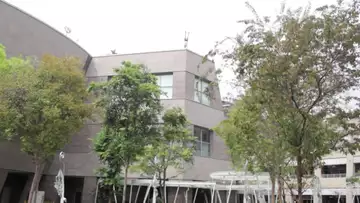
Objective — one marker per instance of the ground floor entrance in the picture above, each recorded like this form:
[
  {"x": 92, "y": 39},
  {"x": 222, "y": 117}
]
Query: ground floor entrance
[{"x": 15, "y": 187}]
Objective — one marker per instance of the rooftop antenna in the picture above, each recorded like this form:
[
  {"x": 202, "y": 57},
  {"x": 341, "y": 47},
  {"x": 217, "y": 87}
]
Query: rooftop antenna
[
  {"x": 113, "y": 51},
  {"x": 67, "y": 30},
  {"x": 186, "y": 39}
]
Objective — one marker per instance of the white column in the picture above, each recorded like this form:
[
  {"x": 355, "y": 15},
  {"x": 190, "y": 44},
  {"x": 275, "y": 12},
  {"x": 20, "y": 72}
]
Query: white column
[
  {"x": 316, "y": 198},
  {"x": 349, "y": 173},
  {"x": 288, "y": 198}
]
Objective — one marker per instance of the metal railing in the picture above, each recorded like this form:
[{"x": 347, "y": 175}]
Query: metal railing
[{"x": 336, "y": 175}]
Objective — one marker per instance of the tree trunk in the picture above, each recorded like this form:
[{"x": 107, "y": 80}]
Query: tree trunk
[
  {"x": 35, "y": 182},
  {"x": 114, "y": 191},
  {"x": 109, "y": 200},
  {"x": 299, "y": 177},
  {"x": 283, "y": 190},
  {"x": 279, "y": 193},
  {"x": 125, "y": 183},
  {"x": 273, "y": 182},
  {"x": 161, "y": 190},
  {"x": 164, "y": 185},
  {"x": 160, "y": 194}
]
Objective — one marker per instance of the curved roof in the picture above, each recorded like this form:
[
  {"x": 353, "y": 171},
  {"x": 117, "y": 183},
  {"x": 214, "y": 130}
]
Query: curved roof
[
  {"x": 23, "y": 34},
  {"x": 45, "y": 24}
]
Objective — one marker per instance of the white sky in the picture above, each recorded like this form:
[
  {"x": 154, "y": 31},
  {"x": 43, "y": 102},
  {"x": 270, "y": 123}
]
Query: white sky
[{"x": 151, "y": 25}]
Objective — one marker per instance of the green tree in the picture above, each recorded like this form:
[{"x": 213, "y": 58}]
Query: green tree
[
  {"x": 44, "y": 106},
  {"x": 353, "y": 183},
  {"x": 307, "y": 63},
  {"x": 174, "y": 148},
  {"x": 250, "y": 127},
  {"x": 11, "y": 69},
  {"x": 131, "y": 103},
  {"x": 111, "y": 173}
]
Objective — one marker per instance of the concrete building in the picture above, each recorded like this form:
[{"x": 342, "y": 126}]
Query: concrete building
[
  {"x": 180, "y": 74},
  {"x": 333, "y": 178}
]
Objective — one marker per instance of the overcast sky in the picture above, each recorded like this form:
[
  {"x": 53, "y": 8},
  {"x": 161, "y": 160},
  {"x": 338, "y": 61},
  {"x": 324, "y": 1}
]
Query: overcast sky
[{"x": 151, "y": 25}]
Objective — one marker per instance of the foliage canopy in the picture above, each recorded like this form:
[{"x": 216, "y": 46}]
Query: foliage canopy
[
  {"x": 305, "y": 66},
  {"x": 131, "y": 104},
  {"x": 42, "y": 104},
  {"x": 174, "y": 148}
]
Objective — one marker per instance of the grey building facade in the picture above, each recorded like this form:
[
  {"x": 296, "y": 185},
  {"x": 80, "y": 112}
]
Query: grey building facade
[{"x": 181, "y": 74}]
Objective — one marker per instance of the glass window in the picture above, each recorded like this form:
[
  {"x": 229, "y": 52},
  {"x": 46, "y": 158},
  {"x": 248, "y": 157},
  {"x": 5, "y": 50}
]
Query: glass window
[
  {"x": 205, "y": 99},
  {"x": 204, "y": 86},
  {"x": 201, "y": 91},
  {"x": 165, "y": 82},
  {"x": 197, "y": 97},
  {"x": 205, "y": 136},
  {"x": 197, "y": 84},
  {"x": 198, "y": 148},
  {"x": 167, "y": 93},
  {"x": 205, "y": 149},
  {"x": 197, "y": 133},
  {"x": 203, "y": 142}
]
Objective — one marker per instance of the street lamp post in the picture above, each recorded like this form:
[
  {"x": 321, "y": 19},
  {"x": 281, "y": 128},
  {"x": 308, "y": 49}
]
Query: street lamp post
[{"x": 59, "y": 179}]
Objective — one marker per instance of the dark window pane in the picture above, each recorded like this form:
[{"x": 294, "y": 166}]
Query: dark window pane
[
  {"x": 197, "y": 84},
  {"x": 197, "y": 132},
  {"x": 205, "y": 135}
]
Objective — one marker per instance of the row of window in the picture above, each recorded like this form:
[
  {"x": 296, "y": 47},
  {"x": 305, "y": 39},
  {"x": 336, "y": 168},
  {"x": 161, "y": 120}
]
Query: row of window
[
  {"x": 335, "y": 171},
  {"x": 201, "y": 88}
]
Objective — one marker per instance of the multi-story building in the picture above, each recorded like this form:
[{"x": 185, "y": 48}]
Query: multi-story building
[
  {"x": 334, "y": 178},
  {"x": 181, "y": 74}
]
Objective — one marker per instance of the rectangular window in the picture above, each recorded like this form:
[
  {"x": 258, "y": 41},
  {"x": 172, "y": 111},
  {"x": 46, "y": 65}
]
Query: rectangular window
[
  {"x": 165, "y": 83},
  {"x": 203, "y": 141},
  {"x": 201, "y": 93},
  {"x": 333, "y": 171}
]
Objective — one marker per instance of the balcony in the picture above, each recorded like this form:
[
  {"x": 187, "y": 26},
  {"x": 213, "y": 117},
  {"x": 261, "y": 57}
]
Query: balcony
[
  {"x": 333, "y": 171},
  {"x": 333, "y": 176},
  {"x": 336, "y": 175}
]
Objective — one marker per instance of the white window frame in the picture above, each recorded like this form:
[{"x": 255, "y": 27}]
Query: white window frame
[
  {"x": 200, "y": 142},
  {"x": 199, "y": 91},
  {"x": 159, "y": 76}
]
